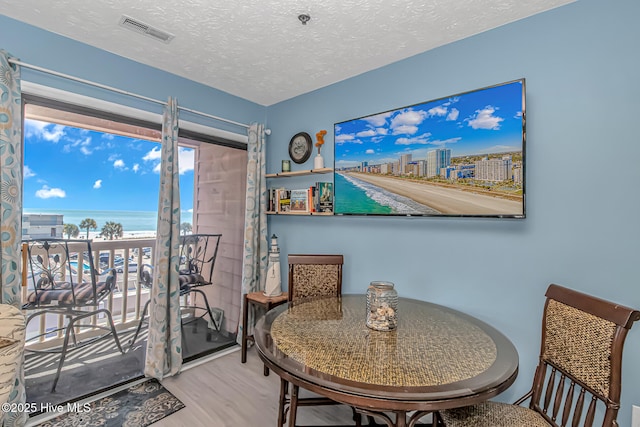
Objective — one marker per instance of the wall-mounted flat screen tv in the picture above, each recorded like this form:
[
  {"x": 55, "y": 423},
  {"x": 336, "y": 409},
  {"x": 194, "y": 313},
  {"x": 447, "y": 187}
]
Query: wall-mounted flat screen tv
[{"x": 459, "y": 156}]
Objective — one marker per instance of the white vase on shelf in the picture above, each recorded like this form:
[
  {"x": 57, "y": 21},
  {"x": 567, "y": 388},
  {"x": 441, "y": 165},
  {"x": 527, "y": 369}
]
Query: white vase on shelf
[{"x": 318, "y": 162}]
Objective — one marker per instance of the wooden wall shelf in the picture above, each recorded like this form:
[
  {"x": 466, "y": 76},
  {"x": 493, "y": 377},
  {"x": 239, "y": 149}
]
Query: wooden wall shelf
[
  {"x": 301, "y": 213},
  {"x": 299, "y": 173}
]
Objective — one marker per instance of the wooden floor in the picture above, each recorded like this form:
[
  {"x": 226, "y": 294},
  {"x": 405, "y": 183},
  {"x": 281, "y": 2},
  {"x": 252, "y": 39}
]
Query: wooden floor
[{"x": 224, "y": 392}]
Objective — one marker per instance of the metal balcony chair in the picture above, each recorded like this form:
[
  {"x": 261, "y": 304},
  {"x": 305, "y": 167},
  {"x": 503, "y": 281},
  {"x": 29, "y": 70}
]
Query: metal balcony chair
[
  {"x": 198, "y": 253},
  {"x": 310, "y": 276},
  {"x": 62, "y": 280},
  {"x": 578, "y": 378}
]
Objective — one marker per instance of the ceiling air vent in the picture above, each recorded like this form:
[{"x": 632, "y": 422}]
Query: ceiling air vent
[{"x": 146, "y": 29}]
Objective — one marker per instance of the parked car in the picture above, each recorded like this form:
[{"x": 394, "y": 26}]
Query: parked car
[
  {"x": 104, "y": 259},
  {"x": 133, "y": 267}
]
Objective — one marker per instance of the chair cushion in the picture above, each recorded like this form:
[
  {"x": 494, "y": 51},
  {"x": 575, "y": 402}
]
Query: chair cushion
[
  {"x": 192, "y": 279},
  {"x": 493, "y": 414},
  {"x": 62, "y": 294}
]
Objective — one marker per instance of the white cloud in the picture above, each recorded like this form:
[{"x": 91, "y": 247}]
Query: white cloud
[
  {"x": 438, "y": 111},
  {"x": 366, "y": 133},
  {"x": 369, "y": 151},
  {"x": 27, "y": 172},
  {"x": 47, "y": 131},
  {"x": 119, "y": 164},
  {"x": 484, "y": 119},
  {"x": 97, "y": 184},
  {"x": 453, "y": 114},
  {"x": 344, "y": 137},
  {"x": 136, "y": 167},
  {"x": 407, "y": 122},
  {"x": 377, "y": 120},
  {"x": 46, "y": 193},
  {"x": 405, "y": 130},
  {"x": 186, "y": 159},
  {"x": 422, "y": 139},
  {"x": 154, "y": 154},
  {"x": 84, "y": 144}
]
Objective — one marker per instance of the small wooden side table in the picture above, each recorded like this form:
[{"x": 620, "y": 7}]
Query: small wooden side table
[{"x": 261, "y": 300}]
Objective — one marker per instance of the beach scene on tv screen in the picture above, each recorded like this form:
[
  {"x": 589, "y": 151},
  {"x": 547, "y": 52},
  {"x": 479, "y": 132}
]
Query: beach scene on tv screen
[{"x": 457, "y": 156}]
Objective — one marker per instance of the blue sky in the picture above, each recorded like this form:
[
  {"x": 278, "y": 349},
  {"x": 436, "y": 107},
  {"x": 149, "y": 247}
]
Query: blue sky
[
  {"x": 71, "y": 168},
  {"x": 479, "y": 122}
]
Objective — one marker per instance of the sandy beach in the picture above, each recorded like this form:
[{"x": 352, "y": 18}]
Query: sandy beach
[
  {"x": 95, "y": 235},
  {"x": 448, "y": 201}
]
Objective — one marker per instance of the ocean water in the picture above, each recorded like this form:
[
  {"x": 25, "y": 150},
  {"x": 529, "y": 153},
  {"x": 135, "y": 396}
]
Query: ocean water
[
  {"x": 132, "y": 221},
  {"x": 352, "y": 197},
  {"x": 355, "y": 196}
]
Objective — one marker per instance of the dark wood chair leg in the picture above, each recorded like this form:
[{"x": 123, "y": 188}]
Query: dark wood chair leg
[
  {"x": 293, "y": 405},
  {"x": 284, "y": 388}
]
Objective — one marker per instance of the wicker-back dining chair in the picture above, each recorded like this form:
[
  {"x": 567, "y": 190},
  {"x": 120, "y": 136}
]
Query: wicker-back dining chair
[
  {"x": 578, "y": 378},
  {"x": 313, "y": 276},
  {"x": 310, "y": 276}
]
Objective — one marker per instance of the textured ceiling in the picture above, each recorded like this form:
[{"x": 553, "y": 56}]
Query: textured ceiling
[{"x": 258, "y": 49}]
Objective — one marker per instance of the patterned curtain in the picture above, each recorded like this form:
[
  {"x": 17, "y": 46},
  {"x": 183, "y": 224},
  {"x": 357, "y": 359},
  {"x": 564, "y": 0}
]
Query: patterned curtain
[
  {"x": 11, "y": 209},
  {"x": 164, "y": 345},
  {"x": 255, "y": 220}
]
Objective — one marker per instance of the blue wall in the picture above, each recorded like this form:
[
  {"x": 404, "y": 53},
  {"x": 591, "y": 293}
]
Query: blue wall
[{"x": 581, "y": 65}]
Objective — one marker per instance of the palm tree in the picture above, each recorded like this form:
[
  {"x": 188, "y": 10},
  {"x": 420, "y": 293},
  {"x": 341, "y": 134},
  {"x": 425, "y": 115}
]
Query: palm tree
[
  {"x": 71, "y": 230},
  {"x": 111, "y": 229},
  {"x": 89, "y": 224},
  {"x": 185, "y": 228}
]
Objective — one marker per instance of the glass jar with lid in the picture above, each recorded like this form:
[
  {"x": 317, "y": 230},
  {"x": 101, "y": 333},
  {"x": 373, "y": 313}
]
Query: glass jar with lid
[{"x": 382, "y": 306}]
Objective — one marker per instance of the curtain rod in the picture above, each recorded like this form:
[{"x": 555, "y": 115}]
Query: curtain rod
[{"x": 122, "y": 92}]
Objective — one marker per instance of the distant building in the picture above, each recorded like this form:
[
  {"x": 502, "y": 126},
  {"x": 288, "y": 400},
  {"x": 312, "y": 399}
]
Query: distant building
[
  {"x": 494, "y": 170},
  {"x": 458, "y": 172},
  {"x": 412, "y": 168},
  {"x": 518, "y": 173},
  {"x": 437, "y": 160},
  {"x": 405, "y": 159},
  {"x": 38, "y": 226}
]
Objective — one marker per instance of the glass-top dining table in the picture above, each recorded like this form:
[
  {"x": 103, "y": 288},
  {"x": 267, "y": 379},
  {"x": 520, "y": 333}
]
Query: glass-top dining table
[{"x": 437, "y": 358}]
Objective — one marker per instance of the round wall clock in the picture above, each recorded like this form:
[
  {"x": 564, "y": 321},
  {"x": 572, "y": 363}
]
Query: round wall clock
[{"x": 300, "y": 147}]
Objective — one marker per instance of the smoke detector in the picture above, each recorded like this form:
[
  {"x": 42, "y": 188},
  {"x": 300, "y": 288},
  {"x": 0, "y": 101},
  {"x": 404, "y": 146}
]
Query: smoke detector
[{"x": 145, "y": 29}]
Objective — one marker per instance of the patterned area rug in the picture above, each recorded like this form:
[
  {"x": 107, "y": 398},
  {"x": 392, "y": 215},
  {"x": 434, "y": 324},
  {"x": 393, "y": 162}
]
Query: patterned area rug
[{"x": 137, "y": 406}]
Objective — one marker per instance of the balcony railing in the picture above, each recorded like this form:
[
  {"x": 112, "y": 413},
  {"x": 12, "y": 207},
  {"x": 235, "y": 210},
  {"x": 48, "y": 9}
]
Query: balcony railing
[{"x": 127, "y": 256}]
